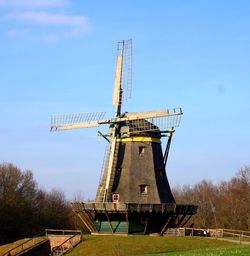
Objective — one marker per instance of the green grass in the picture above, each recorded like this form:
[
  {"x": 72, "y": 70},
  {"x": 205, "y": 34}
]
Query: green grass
[
  {"x": 236, "y": 238},
  {"x": 108, "y": 245},
  {"x": 228, "y": 251},
  {"x": 149, "y": 245},
  {"x": 7, "y": 247}
]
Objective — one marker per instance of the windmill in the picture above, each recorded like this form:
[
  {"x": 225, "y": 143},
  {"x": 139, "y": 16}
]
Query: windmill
[{"x": 133, "y": 191}]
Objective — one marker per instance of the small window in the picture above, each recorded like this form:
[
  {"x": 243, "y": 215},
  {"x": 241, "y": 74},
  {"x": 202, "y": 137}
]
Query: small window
[
  {"x": 141, "y": 150},
  {"x": 143, "y": 189}
]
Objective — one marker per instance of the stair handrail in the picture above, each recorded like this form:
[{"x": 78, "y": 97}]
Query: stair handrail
[
  {"x": 59, "y": 246},
  {"x": 8, "y": 253}
]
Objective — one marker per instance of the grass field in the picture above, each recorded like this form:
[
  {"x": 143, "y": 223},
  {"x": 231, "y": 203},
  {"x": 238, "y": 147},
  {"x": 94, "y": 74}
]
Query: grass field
[
  {"x": 160, "y": 246},
  {"x": 243, "y": 239},
  {"x": 238, "y": 251},
  {"x": 150, "y": 246},
  {"x": 7, "y": 247}
]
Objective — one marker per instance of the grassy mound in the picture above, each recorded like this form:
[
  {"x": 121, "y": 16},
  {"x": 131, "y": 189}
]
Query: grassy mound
[
  {"x": 152, "y": 246},
  {"x": 6, "y": 247}
]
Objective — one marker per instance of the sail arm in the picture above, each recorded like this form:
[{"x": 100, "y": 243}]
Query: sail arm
[
  {"x": 77, "y": 120},
  {"x": 117, "y": 83},
  {"x": 152, "y": 114},
  {"x": 74, "y": 126}
]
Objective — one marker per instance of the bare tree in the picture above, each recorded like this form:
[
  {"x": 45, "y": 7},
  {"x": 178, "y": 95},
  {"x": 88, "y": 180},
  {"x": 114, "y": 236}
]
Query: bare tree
[
  {"x": 225, "y": 205},
  {"x": 17, "y": 200},
  {"x": 26, "y": 210}
]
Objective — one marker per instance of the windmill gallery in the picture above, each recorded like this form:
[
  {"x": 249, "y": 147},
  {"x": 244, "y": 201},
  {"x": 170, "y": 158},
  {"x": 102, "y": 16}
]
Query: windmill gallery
[{"x": 133, "y": 195}]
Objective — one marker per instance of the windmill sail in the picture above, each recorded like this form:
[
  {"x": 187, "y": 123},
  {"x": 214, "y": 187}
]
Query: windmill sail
[
  {"x": 153, "y": 124},
  {"x": 147, "y": 114},
  {"x": 127, "y": 70},
  {"x": 110, "y": 168},
  {"x": 123, "y": 75},
  {"x": 117, "y": 82},
  {"x": 157, "y": 120},
  {"x": 76, "y": 120}
]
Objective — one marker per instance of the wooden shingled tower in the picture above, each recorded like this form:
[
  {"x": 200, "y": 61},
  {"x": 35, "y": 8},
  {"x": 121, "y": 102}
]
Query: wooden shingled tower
[{"x": 133, "y": 195}]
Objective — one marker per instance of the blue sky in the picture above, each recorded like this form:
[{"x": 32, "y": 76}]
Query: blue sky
[{"x": 58, "y": 56}]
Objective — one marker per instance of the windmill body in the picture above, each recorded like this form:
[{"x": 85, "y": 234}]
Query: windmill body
[
  {"x": 133, "y": 194},
  {"x": 138, "y": 172}
]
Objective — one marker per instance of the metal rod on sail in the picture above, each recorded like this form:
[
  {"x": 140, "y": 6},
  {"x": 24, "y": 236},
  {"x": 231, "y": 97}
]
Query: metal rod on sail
[
  {"x": 117, "y": 93},
  {"x": 165, "y": 158},
  {"x": 119, "y": 106}
]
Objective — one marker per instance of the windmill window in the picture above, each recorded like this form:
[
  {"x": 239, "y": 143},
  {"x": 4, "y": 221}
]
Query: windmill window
[
  {"x": 143, "y": 189},
  {"x": 141, "y": 151}
]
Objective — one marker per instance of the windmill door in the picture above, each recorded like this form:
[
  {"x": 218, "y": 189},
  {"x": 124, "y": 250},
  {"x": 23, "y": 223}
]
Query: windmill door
[
  {"x": 115, "y": 201},
  {"x": 115, "y": 198}
]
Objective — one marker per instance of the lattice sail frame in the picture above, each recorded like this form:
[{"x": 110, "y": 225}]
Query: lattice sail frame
[
  {"x": 153, "y": 120},
  {"x": 161, "y": 123},
  {"x": 126, "y": 80},
  {"x": 65, "y": 121},
  {"x": 153, "y": 124}
]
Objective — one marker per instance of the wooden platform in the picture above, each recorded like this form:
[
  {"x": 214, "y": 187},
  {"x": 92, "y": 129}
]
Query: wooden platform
[{"x": 131, "y": 218}]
